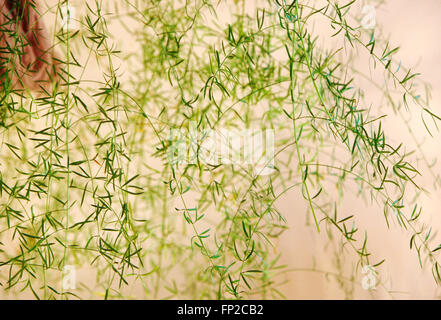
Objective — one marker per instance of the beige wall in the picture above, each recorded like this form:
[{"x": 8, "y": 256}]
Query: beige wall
[{"x": 415, "y": 26}]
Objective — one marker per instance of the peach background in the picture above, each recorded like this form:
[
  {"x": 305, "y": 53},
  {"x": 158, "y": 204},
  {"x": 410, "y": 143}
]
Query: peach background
[{"x": 415, "y": 26}]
